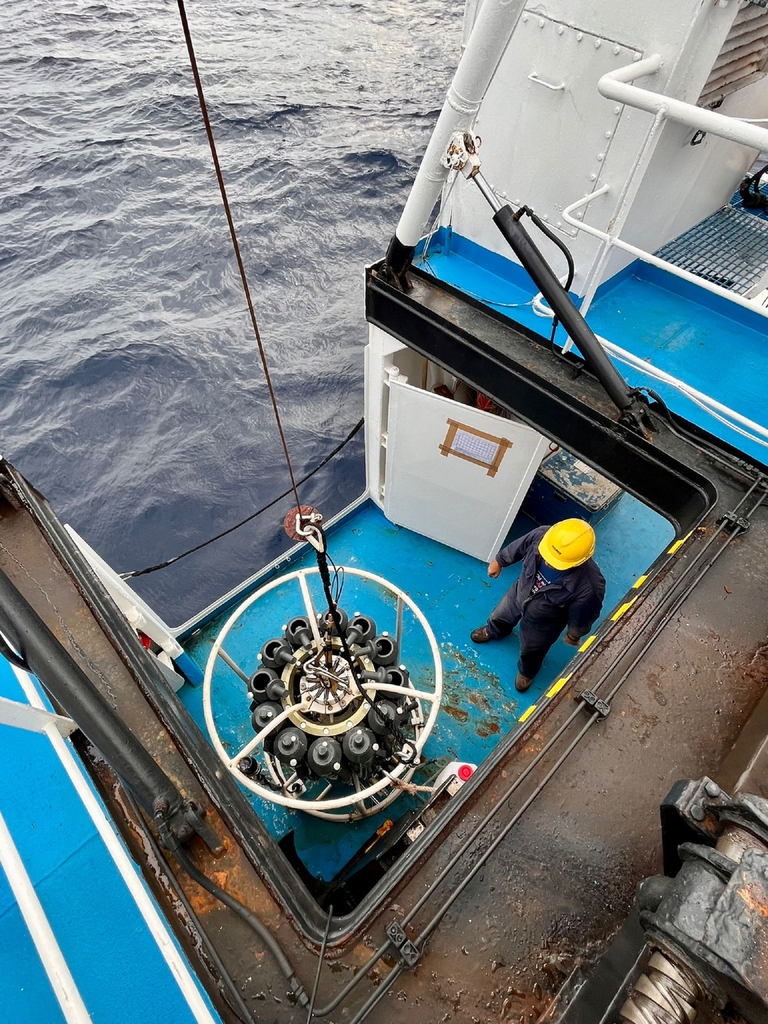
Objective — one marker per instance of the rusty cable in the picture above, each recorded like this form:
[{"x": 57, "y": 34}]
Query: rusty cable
[
  {"x": 320, "y": 960},
  {"x": 235, "y": 244}
]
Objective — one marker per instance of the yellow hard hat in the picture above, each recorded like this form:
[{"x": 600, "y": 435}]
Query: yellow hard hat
[{"x": 567, "y": 544}]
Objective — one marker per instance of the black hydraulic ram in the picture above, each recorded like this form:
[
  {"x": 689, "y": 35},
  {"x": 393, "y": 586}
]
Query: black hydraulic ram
[
  {"x": 462, "y": 156},
  {"x": 40, "y": 652},
  {"x": 632, "y": 409}
]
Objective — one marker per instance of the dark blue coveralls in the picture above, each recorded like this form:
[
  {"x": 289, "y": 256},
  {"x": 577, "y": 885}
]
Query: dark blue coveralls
[{"x": 573, "y": 600}]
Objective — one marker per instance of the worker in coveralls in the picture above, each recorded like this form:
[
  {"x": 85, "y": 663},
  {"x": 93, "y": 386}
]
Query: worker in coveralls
[{"x": 559, "y": 586}]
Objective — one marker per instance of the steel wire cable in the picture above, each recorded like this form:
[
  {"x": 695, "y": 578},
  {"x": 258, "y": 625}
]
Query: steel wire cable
[
  {"x": 320, "y": 959},
  {"x": 236, "y": 245}
]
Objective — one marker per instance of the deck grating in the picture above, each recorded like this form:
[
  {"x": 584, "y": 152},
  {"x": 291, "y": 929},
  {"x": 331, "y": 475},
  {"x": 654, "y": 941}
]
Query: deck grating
[{"x": 727, "y": 248}]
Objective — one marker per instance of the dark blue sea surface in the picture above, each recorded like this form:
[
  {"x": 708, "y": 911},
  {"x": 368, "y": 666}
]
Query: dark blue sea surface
[{"x": 131, "y": 392}]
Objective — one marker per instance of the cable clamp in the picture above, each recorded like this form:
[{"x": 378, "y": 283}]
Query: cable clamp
[
  {"x": 737, "y": 520},
  {"x": 601, "y": 707},
  {"x": 408, "y": 953}
]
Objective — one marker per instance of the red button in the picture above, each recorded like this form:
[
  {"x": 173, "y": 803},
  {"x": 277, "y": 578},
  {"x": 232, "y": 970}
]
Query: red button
[{"x": 465, "y": 772}]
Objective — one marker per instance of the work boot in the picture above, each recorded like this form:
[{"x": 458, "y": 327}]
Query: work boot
[
  {"x": 480, "y": 635},
  {"x": 522, "y": 682}
]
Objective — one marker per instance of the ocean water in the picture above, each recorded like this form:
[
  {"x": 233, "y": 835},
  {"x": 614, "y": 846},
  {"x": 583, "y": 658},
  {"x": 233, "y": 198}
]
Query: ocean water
[{"x": 131, "y": 392}]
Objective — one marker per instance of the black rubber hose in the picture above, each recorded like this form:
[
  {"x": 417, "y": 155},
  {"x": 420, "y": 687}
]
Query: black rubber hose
[
  {"x": 11, "y": 656},
  {"x": 230, "y": 529},
  {"x": 673, "y": 422},
  {"x": 545, "y": 229},
  {"x": 251, "y": 920}
]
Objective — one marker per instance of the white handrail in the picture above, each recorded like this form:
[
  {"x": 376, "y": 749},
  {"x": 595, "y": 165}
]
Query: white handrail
[
  {"x": 709, "y": 403},
  {"x": 129, "y": 872},
  {"x": 616, "y": 86},
  {"x": 21, "y": 716},
  {"x": 647, "y": 257},
  {"x": 59, "y": 974},
  {"x": 698, "y": 397}
]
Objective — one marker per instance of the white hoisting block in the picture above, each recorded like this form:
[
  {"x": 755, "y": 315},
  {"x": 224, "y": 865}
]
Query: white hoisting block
[{"x": 337, "y": 738}]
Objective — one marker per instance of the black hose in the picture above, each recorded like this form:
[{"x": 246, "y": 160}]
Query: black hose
[
  {"x": 250, "y": 919},
  {"x": 673, "y": 424},
  {"x": 11, "y": 656},
  {"x": 325, "y": 577},
  {"x": 170, "y": 561},
  {"x": 749, "y": 190},
  {"x": 545, "y": 229}
]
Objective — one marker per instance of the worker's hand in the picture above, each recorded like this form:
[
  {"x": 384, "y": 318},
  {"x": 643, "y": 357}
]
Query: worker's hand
[
  {"x": 494, "y": 569},
  {"x": 571, "y": 640}
]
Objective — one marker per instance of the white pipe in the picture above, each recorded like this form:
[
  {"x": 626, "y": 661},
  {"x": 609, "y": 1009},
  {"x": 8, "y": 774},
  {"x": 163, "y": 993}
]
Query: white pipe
[
  {"x": 654, "y": 261},
  {"x": 21, "y": 716},
  {"x": 137, "y": 611},
  {"x": 615, "y": 86},
  {"x": 485, "y": 48},
  {"x": 59, "y": 975},
  {"x": 627, "y": 198},
  {"x": 697, "y": 396}
]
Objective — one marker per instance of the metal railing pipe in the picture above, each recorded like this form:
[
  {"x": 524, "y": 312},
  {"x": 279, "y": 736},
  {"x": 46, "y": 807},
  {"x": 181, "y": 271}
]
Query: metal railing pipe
[
  {"x": 616, "y": 85},
  {"x": 649, "y": 258}
]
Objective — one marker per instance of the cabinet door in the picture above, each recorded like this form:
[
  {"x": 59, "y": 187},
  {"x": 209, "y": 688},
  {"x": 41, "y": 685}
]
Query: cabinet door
[{"x": 454, "y": 473}]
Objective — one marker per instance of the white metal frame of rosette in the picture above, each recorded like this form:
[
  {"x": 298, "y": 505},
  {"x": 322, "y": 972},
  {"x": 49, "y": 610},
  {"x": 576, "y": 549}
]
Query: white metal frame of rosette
[{"x": 362, "y": 799}]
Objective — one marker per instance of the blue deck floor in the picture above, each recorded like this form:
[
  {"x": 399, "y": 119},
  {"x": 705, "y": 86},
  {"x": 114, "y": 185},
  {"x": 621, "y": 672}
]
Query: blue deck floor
[
  {"x": 116, "y": 963},
  {"x": 455, "y": 593},
  {"x": 713, "y": 345}
]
